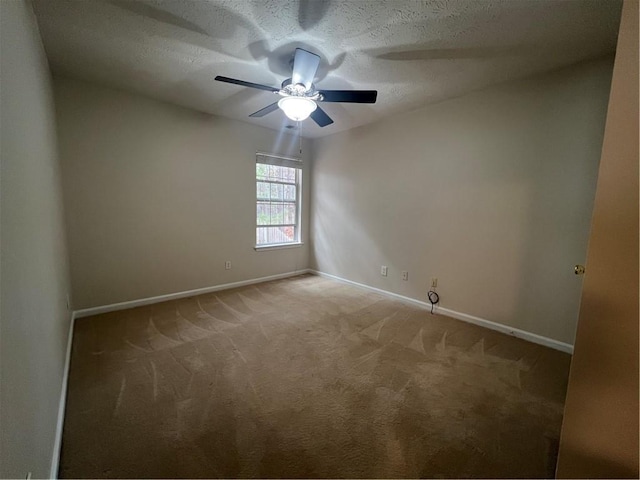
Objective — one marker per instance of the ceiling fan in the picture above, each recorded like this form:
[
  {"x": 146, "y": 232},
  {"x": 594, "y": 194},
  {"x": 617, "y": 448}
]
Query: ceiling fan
[{"x": 299, "y": 95}]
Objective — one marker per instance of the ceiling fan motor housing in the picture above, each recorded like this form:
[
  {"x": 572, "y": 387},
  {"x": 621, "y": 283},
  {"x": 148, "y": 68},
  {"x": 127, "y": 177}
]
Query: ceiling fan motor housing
[{"x": 298, "y": 90}]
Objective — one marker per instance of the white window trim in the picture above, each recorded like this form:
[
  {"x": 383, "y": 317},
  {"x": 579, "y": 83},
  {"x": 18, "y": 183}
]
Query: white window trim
[
  {"x": 292, "y": 162},
  {"x": 277, "y": 246}
]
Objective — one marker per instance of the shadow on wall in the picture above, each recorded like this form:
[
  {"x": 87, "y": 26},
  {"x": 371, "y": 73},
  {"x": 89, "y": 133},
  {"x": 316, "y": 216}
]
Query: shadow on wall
[
  {"x": 564, "y": 174},
  {"x": 416, "y": 221},
  {"x": 491, "y": 192},
  {"x": 329, "y": 254}
]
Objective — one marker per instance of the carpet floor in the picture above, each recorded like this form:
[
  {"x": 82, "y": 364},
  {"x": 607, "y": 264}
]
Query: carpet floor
[{"x": 306, "y": 377}]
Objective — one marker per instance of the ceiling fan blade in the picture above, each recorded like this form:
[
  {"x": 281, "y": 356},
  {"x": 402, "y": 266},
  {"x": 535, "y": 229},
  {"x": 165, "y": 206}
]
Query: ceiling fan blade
[
  {"x": 247, "y": 84},
  {"x": 305, "y": 66},
  {"x": 321, "y": 118},
  {"x": 264, "y": 111},
  {"x": 349, "y": 96}
]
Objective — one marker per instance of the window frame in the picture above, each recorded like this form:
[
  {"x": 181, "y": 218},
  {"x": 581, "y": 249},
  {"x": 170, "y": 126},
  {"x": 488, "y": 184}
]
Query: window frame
[{"x": 281, "y": 161}]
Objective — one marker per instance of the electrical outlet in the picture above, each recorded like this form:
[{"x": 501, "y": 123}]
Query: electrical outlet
[
  {"x": 405, "y": 276},
  {"x": 434, "y": 282},
  {"x": 227, "y": 265},
  {"x": 383, "y": 270}
]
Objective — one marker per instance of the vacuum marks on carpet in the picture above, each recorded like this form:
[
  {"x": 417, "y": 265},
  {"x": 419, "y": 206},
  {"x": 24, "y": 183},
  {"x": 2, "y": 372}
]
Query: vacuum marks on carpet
[{"x": 306, "y": 377}]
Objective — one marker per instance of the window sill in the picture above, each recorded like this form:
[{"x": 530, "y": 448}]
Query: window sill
[{"x": 277, "y": 246}]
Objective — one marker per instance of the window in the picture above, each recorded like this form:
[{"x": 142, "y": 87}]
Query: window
[{"x": 278, "y": 182}]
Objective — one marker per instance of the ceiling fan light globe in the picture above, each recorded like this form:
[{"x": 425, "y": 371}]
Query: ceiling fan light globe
[{"x": 297, "y": 108}]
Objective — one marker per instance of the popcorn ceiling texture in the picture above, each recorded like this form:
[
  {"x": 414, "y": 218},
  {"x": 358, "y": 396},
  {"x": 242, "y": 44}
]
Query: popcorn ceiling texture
[{"x": 413, "y": 53}]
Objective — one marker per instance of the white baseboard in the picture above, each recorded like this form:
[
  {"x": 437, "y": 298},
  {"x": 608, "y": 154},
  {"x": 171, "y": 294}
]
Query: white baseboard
[
  {"x": 86, "y": 312},
  {"x": 55, "y": 460},
  {"x": 515, "y": 332}
]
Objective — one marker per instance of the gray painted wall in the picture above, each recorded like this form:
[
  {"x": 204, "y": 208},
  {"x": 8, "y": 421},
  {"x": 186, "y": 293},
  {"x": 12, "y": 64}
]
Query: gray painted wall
[
  {"x": 34, "y": 321},
  {"x": 158, "y": 197},
  {"x": 491, "y": 193}
]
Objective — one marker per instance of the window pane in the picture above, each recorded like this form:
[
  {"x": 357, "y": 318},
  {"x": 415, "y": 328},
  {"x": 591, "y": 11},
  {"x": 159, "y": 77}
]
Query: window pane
[
  {"x": 262, "y": 171},
  {"x": 275, "y": 173},
  {"x": 263, "y": 190},
  {"x": 290, "y": 192},
  {"x": 277, "y": 191},
  {"x": 267, "y": 235},
  {"x": 289, "y": 175},
  {"x": 289, "y": 213},
  {"x": 263, "y": 213},
  {"x": 277, "y": 214}
]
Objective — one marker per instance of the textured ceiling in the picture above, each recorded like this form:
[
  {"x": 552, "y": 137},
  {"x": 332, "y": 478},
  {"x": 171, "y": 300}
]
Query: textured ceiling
[{"x": 412, "y": 52}]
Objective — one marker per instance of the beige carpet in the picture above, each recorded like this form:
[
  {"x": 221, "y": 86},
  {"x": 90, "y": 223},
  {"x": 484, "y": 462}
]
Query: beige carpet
[{"x": 306, "y": 377}]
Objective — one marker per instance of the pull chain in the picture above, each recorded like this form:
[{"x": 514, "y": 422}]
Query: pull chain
[{"x": 300, "y": 135}]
